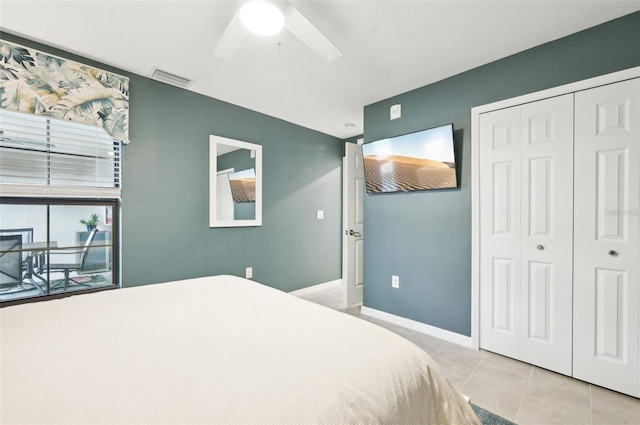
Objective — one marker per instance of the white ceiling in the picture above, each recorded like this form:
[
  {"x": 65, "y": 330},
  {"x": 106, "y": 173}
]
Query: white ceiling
[{"x": 389, "y": 47}]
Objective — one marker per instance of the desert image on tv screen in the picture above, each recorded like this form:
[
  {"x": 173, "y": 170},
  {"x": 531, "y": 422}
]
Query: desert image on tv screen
[
  {"x": 417, "y": 161},
  {"x": 243, "y": 185}
]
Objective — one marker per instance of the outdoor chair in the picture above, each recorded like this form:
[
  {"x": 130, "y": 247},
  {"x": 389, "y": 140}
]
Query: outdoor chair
[
  {"x": 27, "y": 238},
  {"x": 26, "y": 233},
  {"x": 10, "y": 261},
  {"x": 67, "y": 268}
]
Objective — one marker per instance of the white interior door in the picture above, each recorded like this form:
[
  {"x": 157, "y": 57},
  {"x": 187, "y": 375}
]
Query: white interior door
[
  {"x": 500, "y": 146},
  {"x": 547, "y": 233},
  {"x": 607, "y": 215},
  {"x": 353, "y": 223}
]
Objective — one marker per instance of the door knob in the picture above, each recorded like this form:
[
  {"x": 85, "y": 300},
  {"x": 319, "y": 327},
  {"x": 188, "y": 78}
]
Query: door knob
[
  {"x": 356, "y": 234},
  {"x": 613, "y": 253},
  {"x": 540, "y": 247}
]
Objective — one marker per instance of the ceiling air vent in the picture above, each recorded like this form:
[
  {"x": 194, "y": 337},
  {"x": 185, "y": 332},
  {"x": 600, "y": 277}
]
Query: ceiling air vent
[{"x": 169, "y": 78}]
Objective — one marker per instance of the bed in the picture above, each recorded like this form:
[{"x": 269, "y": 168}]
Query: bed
[{"x": 212, "y": 350}]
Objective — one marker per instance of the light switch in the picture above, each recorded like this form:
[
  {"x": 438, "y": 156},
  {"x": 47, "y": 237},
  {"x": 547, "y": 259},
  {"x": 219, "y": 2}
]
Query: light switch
[{"x": 320, "y": 215}]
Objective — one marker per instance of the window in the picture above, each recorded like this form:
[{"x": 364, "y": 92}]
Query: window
[{"x": 56, "y": 179}]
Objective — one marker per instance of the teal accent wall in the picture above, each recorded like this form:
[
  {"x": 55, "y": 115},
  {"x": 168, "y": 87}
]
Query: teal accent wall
[
  {"x": 165, "y": 195},
  {"x": 244, "y": 210},
  {"x": 425, "y": 237},
  {"x": 238, "y": 160}
]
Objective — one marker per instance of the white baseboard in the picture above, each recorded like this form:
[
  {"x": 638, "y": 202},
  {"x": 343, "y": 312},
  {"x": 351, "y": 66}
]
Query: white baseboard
[
  {"x": 316, "y": 288},
  {"x": 419, "y": 327}
]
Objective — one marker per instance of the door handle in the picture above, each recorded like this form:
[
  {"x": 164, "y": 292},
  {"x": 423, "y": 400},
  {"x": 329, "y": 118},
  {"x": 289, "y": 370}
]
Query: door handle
[
  {"x": 540, "y": 247},
  {"x": 356, "y": 234},
  {"x": 613, "y": 253}
]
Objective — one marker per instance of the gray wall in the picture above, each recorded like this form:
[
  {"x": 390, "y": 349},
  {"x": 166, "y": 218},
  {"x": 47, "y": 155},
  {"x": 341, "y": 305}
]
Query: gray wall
[
  {"x": 425, "y": 237},
  {"x": 165, "y": 232}
]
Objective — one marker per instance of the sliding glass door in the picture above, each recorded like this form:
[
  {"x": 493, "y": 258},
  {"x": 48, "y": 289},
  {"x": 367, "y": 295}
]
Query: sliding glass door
[{"x": 51, "y": 247}]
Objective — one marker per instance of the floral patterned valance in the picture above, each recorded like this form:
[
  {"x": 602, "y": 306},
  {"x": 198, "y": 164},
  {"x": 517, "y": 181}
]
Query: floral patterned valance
[{"x": 37, "y": 83}]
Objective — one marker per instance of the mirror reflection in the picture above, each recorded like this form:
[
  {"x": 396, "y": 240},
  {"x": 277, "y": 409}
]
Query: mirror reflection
[
  {"x": 236, "y": 186},
  {"x": 243, "y": 192}
]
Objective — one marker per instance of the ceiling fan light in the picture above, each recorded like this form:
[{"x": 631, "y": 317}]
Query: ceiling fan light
[{"x": 261, "y": 18}]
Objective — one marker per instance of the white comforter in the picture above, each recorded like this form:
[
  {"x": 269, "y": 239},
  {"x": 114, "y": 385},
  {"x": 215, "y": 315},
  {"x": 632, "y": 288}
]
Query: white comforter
[{"x": 214, "y": 350}]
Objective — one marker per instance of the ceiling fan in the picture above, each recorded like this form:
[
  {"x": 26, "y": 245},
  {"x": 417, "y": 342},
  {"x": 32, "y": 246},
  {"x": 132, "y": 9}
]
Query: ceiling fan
[{"x": 286, "y": 15}]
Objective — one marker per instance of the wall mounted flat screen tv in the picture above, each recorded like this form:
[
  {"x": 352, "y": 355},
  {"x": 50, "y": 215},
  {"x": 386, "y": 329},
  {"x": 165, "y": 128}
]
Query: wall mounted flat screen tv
[{"x": 423, "y": 160}]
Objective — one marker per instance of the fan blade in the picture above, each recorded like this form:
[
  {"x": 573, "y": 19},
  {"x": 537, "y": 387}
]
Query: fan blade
[
  {"x": 300, "y": 26},
  {"x": 231, "y": 38}
]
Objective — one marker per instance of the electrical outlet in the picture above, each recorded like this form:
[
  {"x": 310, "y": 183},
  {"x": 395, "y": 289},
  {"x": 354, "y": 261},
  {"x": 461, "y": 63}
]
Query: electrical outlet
[
  {"x": 249, "y": 272},
  {"x": 395, "y": 281}
]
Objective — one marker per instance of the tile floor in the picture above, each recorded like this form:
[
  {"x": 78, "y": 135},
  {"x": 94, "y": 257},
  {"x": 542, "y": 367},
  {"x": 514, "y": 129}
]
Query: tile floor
[{"x": 517, "y": 391}]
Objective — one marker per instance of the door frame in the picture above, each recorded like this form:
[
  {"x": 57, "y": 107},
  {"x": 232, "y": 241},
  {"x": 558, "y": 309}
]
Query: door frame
[{"x": 602, "y": 80}]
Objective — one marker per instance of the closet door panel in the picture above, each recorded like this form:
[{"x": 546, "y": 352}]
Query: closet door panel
[
  {"x": 607, "y": 226},
  {"x": 547, "y": 233},
  {"x": 500, "y": 172}
]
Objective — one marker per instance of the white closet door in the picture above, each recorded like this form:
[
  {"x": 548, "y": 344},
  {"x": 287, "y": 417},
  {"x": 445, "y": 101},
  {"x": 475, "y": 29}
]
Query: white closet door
[
  {"x": 607, "y": 215},
  {"x": 500, "y": 145},
  {"x": 547, "y": 233},
  {"x": 526, "y": 172}
]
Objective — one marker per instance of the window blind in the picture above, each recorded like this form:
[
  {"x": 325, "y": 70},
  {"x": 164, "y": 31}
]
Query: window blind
[{"x": 47, "y": 157}]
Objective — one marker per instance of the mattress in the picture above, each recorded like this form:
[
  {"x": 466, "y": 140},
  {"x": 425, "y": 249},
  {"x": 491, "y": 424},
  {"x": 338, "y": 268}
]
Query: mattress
[{"x": 212, "y": 350}]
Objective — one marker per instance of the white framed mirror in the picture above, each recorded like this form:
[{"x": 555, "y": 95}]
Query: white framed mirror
[{"x": 235, "y": 183}]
